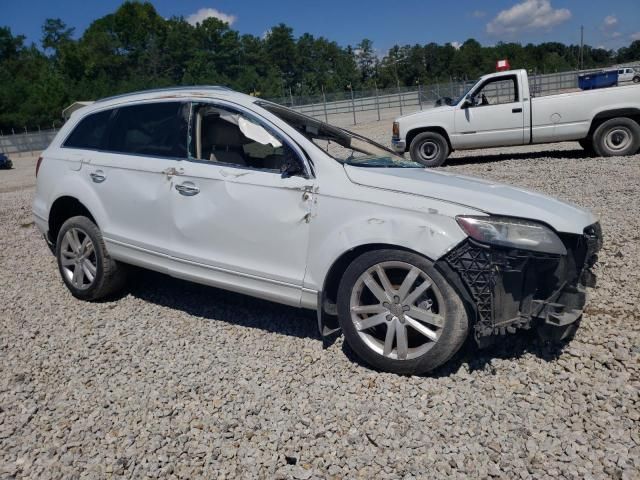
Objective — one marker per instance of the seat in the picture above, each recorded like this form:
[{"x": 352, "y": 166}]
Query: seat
[{"x": 222, "y": 142}]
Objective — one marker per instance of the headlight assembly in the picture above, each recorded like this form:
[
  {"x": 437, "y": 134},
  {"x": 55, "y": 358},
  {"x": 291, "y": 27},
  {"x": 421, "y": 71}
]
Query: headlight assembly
[{"x": 512, "y": 233}]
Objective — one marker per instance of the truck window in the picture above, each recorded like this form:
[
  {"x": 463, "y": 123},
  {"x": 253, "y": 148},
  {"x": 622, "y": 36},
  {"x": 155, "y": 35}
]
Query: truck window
[{"x": 497, "y": 91}]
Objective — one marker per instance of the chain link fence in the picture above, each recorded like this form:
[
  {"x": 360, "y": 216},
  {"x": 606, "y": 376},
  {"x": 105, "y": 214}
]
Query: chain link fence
[{"x": 351, "y": 107}]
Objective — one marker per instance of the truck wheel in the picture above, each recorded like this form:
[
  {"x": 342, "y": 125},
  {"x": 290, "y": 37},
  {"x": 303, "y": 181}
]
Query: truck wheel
[
  {"x": 587, "y": 146},
  {"x": 86, "y": 267},
  {"x": 399, "y": 314},
  {"x": 429, "y": 149},
  {"x": 636, "y": 79},
  {"x": 617, "y": 137}
]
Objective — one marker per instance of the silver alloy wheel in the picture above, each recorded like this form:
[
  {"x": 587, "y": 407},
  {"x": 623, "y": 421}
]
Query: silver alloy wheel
[
  {"x": 618, "y": 138},
  {"x": 429, "y": 150},
  {"x": 78, "y": 258},
  {"x": 406, "y": 301}
]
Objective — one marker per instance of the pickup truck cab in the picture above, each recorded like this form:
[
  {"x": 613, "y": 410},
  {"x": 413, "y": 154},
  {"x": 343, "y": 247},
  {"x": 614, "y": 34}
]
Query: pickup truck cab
[{"x": 499, "y": 111}]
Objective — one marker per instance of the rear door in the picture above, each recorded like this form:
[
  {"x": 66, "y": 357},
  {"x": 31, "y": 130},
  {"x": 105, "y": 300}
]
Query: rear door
[
  {"x": 131, "y": 173},
  {"x": 495, "y": 118}
]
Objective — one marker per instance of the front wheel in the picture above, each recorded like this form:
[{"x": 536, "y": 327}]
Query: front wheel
[
  {"x": 617, "y": 137},
  {"x": 399, "y": 314},
  {"x": 86, "y": 267},
  {"x": 429, "y": 149}
]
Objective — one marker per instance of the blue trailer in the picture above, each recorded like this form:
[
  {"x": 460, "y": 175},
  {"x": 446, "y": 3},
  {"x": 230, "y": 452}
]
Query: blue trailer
[{"x": 606, "y": 79}]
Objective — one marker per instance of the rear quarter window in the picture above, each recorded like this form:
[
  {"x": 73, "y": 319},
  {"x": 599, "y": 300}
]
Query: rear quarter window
[{"x": 90, "y": 132}]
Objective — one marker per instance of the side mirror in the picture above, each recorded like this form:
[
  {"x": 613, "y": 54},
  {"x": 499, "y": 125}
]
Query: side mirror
[{"x": 467, "y": 102}]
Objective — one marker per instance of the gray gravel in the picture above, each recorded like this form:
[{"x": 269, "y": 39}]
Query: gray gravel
[{"x": 176, "y": 380}]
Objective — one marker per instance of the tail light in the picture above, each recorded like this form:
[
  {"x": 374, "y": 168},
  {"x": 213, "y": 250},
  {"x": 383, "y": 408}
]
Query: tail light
[{"x": 38, "y": 164}]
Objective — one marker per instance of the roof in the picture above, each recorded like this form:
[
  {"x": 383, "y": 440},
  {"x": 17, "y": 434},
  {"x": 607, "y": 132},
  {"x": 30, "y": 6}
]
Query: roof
[
  {"x": 186, "y": 92},
  {"x": 181, "y": 89}
]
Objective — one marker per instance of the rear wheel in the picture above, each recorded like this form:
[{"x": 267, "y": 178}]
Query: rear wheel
[
  {"x": 429, "y": 149},
  {"x": 636, "y": 79},
  {"x": 84, "y": 263},
  {"x": 617, "y": 137},
  {"x": 399, "y": 314}
]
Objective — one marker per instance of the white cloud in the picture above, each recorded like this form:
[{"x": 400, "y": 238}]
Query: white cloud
[
  {"x": 204, "y": 13},
  {"x": 478, "y": 14},
  {"x": 456, "y": 45},
  {"x": 610, "y": 21},
  {"x": 615, "y": 35},
  {"x": 528, "y": 15},
  {"x": 635, "y": 36}
]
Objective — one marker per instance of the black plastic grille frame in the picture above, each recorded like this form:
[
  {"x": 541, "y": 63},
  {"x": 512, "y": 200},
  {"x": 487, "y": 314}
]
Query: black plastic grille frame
[{"x": 473, "y": 263}]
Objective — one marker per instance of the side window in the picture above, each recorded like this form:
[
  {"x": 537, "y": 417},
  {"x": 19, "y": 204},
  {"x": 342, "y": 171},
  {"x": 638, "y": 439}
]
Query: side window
[
  {"x": 158, "y": 129},
  {"x": 497, "y": 92},
  {"x": 227, "y": 136},
  {"x": 90, "y": 132}
]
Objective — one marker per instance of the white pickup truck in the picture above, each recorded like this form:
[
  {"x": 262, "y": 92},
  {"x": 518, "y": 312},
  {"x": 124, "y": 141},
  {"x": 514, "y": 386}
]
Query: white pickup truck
[{"x": 499, "y": 111}]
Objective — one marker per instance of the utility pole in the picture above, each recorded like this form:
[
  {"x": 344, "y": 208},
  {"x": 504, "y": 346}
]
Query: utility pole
[{"x": 581, "y": 47}]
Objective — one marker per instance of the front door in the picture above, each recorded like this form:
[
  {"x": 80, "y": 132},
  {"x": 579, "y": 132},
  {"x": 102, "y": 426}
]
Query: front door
[
  {"x": 495, "y": 118},
  {"x": 236, "y": 220}
]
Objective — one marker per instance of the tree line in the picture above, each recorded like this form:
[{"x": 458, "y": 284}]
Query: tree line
[{"x": 134, "y": 48}]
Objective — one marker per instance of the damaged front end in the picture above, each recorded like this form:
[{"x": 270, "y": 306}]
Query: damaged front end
[{"x": 514, "y": 288}]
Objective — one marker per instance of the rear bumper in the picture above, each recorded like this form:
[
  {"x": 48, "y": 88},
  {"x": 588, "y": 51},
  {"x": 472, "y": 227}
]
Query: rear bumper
[{"x": 510, "y": 289}]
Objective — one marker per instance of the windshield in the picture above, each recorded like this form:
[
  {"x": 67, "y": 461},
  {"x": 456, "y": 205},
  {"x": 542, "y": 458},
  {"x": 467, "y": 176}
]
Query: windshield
[{"x": 344, "y": 146}]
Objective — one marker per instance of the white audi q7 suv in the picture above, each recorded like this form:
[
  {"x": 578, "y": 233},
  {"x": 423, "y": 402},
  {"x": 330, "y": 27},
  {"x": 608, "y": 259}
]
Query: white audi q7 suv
[{"x": 221, "y": 188}]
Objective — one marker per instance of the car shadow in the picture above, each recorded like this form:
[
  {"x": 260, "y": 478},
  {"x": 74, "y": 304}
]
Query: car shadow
[
  {"x": 578, "y": 153},
  {"x": 215, "y": 304},
  {"x": 234, "y": 308},
  {"x": 509, "y": 347}
]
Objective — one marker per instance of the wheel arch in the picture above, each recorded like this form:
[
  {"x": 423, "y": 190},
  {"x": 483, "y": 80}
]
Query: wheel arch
[
  {"x": 61, "y": 210},
  {"x": 601, "y": 117},
  {"x": 411, "y": 134},
  {"x": 327, "y": 297}
]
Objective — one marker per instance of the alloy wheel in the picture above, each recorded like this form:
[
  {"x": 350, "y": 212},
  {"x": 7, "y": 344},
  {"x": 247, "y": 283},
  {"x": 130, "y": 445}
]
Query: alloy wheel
[
  {"x": 397, "y": 310},
  {"x": 78, "y": 258}
]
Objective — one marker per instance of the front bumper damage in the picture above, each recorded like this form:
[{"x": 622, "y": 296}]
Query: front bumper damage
[{"x": 512, "y": 289}]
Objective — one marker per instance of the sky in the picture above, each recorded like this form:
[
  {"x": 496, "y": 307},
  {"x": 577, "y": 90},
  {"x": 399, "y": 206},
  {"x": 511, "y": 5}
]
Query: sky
[{"x": 609, "y": 24}]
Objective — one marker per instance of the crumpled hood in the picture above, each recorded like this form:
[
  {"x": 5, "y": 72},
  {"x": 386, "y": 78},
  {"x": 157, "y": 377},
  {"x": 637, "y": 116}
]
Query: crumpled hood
[{"x": 489, "y": 197}]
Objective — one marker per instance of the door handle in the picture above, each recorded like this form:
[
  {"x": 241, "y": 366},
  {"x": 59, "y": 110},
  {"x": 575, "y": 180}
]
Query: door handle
[
  {"x": 188, "y": 189},
  {"x": 98, "y": 176},
  {"x": 516, "y": 110}
]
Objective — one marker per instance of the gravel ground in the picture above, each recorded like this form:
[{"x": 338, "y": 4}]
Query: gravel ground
[{"x": 182, "y": 381}]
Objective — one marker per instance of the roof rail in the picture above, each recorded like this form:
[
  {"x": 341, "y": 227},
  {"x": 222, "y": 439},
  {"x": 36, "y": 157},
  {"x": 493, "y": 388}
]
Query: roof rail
[{"x": 167, "y": 89}]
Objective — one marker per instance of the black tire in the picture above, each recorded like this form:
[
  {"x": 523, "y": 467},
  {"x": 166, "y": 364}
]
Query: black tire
[
  {"x": 109, "y": 277},
  {"x": 429, "y": 149},
  {"x": 587, "y": 146},
  {"x": 452, "y": 332},
  {"x": 636, "y": 79},
  {"x": 621, "y": 129}
]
